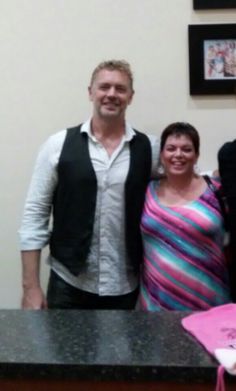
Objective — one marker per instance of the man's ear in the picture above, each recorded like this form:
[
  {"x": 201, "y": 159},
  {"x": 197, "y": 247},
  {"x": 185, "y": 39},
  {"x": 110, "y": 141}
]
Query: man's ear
[
  {"x": 90, "y": 93},
  {"x": 131, "y": 96}
]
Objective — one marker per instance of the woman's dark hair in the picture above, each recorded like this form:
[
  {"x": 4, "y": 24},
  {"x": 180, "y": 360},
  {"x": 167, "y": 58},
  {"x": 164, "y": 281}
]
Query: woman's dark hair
[{"x": 181, "y": 129}]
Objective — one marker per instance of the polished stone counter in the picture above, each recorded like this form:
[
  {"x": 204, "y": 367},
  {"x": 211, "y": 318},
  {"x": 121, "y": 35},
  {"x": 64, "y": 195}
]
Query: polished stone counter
[{"x": 101, "y": 346}]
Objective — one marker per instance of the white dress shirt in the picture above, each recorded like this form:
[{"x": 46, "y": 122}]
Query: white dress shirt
[{"x": 107, "y": 271}]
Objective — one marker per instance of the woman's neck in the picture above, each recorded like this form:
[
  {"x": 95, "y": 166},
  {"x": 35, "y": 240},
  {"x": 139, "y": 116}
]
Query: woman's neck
[
  {"x": 180, "y": 182},
  {"x": 179, "y": 190}
]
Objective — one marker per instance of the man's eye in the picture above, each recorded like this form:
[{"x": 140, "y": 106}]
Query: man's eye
[{"x": 121, "y": 89}]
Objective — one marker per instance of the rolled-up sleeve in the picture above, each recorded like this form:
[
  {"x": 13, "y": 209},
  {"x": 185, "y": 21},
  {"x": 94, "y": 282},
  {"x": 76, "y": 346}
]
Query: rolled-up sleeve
[{"x": 34, "y": 231}]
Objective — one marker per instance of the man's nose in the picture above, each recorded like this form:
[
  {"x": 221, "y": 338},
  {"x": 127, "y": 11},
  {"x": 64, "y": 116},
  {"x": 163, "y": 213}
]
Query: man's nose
[{"x": 111, "y": 91}]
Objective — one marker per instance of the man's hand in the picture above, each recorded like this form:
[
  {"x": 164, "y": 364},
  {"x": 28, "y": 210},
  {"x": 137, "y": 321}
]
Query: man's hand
[{"x": 33, "y": 299}]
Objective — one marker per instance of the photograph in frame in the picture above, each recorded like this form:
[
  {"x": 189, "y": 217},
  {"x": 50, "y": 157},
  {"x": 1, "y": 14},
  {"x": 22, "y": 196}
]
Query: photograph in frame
[
  {"x": 219, "y": 59},
  {"x": 212, "y": 59}
]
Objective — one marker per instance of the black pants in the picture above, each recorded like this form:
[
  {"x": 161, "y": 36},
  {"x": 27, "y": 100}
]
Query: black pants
[{"x": 61, "y": 295}]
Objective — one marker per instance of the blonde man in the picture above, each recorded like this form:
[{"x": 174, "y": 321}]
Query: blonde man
[{"x": 92, "y": 178}]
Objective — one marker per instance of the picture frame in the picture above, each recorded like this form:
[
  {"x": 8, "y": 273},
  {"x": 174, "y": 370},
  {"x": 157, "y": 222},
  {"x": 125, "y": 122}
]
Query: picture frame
[
  {"x": 212, "y": 59},
  {"x": 213, "y": 4}
]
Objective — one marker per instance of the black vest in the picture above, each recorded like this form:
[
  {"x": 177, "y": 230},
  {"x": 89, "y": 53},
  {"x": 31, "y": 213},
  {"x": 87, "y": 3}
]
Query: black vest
[{"x": 74, "y": 200}]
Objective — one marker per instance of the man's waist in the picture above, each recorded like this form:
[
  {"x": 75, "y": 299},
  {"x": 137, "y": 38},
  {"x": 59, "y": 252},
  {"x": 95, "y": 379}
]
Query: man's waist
[{"x": 92, "y": 280}]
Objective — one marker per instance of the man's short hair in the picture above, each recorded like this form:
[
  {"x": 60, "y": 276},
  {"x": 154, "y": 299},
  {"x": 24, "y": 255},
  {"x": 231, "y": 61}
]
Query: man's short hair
[{"x": 114, "y": 65}]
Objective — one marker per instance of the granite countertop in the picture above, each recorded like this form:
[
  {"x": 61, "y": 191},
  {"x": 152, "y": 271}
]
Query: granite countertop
[{"x": 100, "y": 345}]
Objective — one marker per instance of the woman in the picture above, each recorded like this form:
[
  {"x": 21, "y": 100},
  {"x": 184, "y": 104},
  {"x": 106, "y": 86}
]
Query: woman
[{"x": 182, "y": 227}]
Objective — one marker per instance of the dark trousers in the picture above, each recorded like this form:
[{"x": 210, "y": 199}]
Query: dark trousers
[{"x": 61, "y": 295}]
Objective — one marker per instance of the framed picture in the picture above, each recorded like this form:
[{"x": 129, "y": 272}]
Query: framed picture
[
  {"x": 210, "y": 4},
  {"x": 212, "y": 59}
]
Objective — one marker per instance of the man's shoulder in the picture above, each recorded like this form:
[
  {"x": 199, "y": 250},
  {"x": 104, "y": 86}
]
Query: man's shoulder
[
  {"x": 78, "y": 128},
  {"x": 54, "y": 142},
  {"x": 155, "y": 150},
  {"x": 58, "y": 136},
  {"x": 152, "y": 138},
  {"x": 227, "y": 151}
]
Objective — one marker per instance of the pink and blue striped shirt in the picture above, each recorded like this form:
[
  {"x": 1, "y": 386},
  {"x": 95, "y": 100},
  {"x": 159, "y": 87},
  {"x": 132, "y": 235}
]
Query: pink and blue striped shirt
[{"x": 184, "y": 265}]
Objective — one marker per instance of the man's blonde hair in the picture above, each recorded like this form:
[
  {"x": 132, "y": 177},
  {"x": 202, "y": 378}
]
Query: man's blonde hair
[{"x": 114, "y": 65}]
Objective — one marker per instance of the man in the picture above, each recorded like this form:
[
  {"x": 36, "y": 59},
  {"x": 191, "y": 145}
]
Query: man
[
  {"x": 227, "y": 170},
  {"x": 93, "y": 178}
]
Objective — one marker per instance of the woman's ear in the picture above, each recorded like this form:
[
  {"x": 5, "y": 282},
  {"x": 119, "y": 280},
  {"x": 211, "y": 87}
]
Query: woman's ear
[
  {"x": 196, "y": 159},
  {"x": 160, "y": 159},
  {"x": 216, "y": 173}
]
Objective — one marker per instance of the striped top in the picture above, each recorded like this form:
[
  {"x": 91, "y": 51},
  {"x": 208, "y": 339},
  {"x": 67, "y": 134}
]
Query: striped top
[{"x": 184, "y": 265}]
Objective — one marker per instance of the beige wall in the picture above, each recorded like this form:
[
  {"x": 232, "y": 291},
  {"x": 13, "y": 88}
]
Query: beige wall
[{"x": 48, "y": 49}]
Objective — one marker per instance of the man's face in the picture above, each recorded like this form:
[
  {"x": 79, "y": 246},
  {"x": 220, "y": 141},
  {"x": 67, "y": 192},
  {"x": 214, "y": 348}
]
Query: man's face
[{"x": 110, "y": 93}]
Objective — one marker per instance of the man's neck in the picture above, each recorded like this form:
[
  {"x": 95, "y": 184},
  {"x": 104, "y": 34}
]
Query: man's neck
[
  {"x": 103, "y": 128},
  {"x": 108, "y": 133}
]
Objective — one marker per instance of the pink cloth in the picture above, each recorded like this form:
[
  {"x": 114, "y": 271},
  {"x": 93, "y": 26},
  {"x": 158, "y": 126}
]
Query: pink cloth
[{"x": 215, "y": 329}]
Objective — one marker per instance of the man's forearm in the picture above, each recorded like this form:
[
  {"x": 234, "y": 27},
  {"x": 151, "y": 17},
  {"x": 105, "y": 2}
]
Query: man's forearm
[
  {"x": 30, "y": 268},
  {"x": 33, "y": 297}
]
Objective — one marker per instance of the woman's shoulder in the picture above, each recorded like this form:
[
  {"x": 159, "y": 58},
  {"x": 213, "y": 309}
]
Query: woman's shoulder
[
  {"x": 152, "y": 186},
  {"x": 214, "y": 179}
]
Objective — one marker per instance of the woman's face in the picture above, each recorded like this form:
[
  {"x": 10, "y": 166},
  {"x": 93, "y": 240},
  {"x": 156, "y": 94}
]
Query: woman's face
[{"x": 178, "y": 156}]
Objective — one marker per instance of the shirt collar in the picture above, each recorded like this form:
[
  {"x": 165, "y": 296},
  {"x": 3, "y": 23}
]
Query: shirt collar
[{"x": 129, "y": 132}]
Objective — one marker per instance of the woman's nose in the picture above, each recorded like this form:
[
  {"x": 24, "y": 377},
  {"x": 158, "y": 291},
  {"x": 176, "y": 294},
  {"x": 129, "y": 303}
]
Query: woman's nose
[{"x": 178, "y": 152}]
